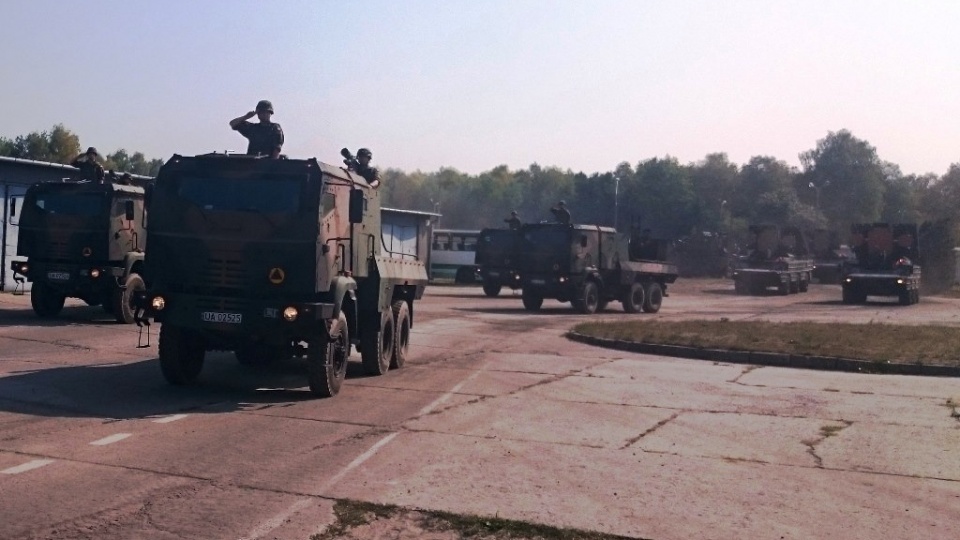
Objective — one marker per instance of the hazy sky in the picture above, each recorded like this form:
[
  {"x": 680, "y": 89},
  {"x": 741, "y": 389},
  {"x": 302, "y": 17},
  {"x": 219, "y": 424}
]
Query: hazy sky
[{"x": 475, "y": 84}]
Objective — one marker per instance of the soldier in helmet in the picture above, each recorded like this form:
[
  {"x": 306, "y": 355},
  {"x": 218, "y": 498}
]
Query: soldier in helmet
[
  {"x": 266, "y": 137},
  {"x": 513, "y": 221},
  {"x": 561, "y": 213},
  {"x": 371, "y": 174},
  {"x": 89, "y": 165}
]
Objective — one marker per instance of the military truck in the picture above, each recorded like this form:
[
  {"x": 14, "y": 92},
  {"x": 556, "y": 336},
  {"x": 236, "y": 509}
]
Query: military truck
[
  {"x": 273, "y": 258},
  {"x": 887, "y": 263},
  {"x": 588, "y": 266},
  {"x": 497, "y": 256},
  {"x": 83, "y": 240},
  {"x": 776, "y": 258}
]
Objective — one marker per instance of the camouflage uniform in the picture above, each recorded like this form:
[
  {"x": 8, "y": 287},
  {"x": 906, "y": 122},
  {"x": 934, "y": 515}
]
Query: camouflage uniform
[
  {"x": 266, "y": 138},
  {"x": 561, "y": 213},
  {"x": 90, "y": 169},
  {"x": 513, "y": 221}
]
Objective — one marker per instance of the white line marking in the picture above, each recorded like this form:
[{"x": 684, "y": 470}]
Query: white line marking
[
  {"x": 28, "y": 466},
  {"x": 111, "y": 439},
  {"x": 276, "y": 521},
  {"x": 168, "y": 419}
]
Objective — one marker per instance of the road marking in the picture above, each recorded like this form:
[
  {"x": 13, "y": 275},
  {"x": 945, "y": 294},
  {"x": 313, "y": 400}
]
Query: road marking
[
  {"x": 28, "y": 466},
  {"x": 276, "y": 521},
  {"x": 168, "y": 419},
  {"x": 111, "y": 439}
]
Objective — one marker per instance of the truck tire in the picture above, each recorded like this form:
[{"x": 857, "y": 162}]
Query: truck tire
[
  {"x": 181, "y": 354},
  {"x": 123, "y": 298},
  {"x": 916, "y": 296},
  {"x": 633, "y": 298},
  {"x": 588, "y": 299},
  {"x": 401, "y": 341},
  {"x": 327, "y": 361},
  {"x": 740, "y": 287},
  {"x": 905, "y": 297},
  {"x": 531, "y": 300},
  {"x": 653, "y": 297},
  {"x": 804, "y": 284},
  {"x": 47, "y": 303},
  {"x": 491, "y": 289},
  {"x": 794, "y": 286},
  {"x": 783, "y": 289},
  {"x": 377, "y": 345}
]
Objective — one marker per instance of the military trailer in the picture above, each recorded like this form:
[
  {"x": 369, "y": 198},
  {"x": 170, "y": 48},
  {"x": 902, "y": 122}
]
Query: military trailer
[
  {"x": 498, "y": 257},
  {"x": 273, "y": 258},
  {"x": 82, "y": 240},
  {"x": 777, "y": 258},
  {"x": 589, "y": 266},
  {"x": 887, "y": 263}
]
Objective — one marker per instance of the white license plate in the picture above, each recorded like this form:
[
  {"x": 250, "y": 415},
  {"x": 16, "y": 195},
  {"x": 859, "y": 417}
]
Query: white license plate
[
  {"x": 218, "y": 317},
  {"x": 538, "y": 282},
  {"x": 58, "y": 276}
]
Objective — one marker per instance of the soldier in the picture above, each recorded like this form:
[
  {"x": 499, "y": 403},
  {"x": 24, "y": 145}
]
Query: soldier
[
  {"x": 266, "y": 137},
  {"x": 561, "y": 213},
  {"x": 371, "y": 174},
  {"x": 513, "y": 221},
  {"x": 90, "y": 168}
]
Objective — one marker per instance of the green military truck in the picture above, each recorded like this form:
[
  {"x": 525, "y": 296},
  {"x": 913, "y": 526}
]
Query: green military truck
[
  {"x": 589, "y": 266},
  {"x": 777, "y": 258},
  {"x": 271, "y": 258},
  {"x": 81, "y": 240},
  {"x": 497, "y": 257},
  {"x": 887, "y": 263}
]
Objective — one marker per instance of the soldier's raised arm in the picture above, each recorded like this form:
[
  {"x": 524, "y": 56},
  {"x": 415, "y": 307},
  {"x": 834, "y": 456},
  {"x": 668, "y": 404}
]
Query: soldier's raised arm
[{"x": 235, "y": 123}]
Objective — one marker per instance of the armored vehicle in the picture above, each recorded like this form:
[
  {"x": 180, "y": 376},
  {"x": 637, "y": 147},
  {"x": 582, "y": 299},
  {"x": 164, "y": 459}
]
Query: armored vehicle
[
  {"x": 776, "y": 258},
  {"x": 588, "y": 265},
  {"x": 498, "y": 257},
  {"x": 827, "y": 255},
  {"x": 887, "y": 263},
  {"x": 271, "y": 258},
  {"x": 82, "y": 240}
]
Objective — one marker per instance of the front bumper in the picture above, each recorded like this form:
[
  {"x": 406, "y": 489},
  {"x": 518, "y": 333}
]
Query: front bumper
[
  {"x": 69, "y": 279},
  {"x": 506, "y": 278},
  {"x": 881, "y": 284}
]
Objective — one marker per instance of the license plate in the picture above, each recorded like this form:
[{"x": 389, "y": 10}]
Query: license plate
[
  {"x": 538, "y": 282},
  {"x": 58, "y": 276},
  {"x": 494, "y": 274},
  {"x": 218, "y": 317}
]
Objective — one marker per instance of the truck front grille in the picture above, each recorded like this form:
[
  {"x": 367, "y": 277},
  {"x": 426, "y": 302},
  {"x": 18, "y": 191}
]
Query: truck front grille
[{"x": 223, "y": 270}]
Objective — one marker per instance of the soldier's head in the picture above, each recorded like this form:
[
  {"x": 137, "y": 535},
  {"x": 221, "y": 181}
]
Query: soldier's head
[
  {"x": 264, "y": 110},
  {"x": 364, "y": 155},
  {"x": 562, "y": 204},
  {"x": 513, "y": 213},
  {"x": 92, "y": 154}
]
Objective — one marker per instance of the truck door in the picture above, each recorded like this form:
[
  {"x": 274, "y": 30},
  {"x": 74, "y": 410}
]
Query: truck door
[{"x": 12, "y": 209}]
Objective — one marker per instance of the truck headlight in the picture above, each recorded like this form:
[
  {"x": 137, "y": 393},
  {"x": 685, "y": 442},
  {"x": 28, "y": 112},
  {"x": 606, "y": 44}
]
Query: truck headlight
[
  {"x": 95, "y": 273},
  {"x": 158, "y": 303},
  {"x": 290, "y": 313},
  {"x": 899, "y": 282}
]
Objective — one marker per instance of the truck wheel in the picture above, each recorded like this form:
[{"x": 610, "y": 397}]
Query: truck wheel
[
  {"x": 257, "y": 353},
  {"x": 906, "y": 297},
  {"x": 653, "y": 297},
  {"x": 588, "y": 299},
  {"x": 327, "y": 360},
  {"x": 602, "y": 305},
  {"x": 633, "y": 298},
  {"x": 123, "y": 298},
  {"x": 740, "y": 287},
  {"x": 804, "y": 284},
  {"x": 491, "y": 289},
  {"x": 916, "y": 296},
  {"x": 181, "y": 354},
  {"x": 376, "y": 348},
  {"x": 794, "y": 286},
  {"x": 783, "y": 288},
  {"x": 401, "y": 318},
  {"x": 531, "y": 300},
  {"x": 46, "y": 301}
]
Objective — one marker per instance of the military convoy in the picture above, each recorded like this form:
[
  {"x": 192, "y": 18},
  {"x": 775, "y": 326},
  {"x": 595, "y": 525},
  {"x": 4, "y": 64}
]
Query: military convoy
[
  {"x": 498, "y": 259},
  {"x": 588, "y": 266},
  {"x": 777, "y": 257},
  {"x": 887, "y": 263},
  {"x": 271, "y": 258},
  {"x": 85, "y": 240},
  {"x": 827, "y": 256}
]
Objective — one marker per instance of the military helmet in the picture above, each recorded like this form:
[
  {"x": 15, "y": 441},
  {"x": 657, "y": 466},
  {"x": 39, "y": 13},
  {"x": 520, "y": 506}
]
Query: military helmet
[
  {"x": 364, "y": 152},
  {"x": 264, "y": 105},
  {"x": 562, "y": 203},
  {"x": 93, "y": 151}
]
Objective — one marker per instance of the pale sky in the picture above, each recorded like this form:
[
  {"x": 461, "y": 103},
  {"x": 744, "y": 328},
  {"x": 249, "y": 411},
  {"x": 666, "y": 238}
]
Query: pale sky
[{"x": 474, "y": 84}]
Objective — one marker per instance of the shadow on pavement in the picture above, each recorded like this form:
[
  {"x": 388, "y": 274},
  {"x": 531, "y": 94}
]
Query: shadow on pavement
[{"x": 71, "y": 315}]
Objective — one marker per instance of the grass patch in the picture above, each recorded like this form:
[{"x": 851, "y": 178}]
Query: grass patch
[
  {"x": 927, "y": 345},
  {"x": 352, "y": 514}
]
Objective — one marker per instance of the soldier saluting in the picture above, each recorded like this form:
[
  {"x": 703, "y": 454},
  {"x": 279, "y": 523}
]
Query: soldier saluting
[
  {"x": 87, "y": 162},
  {"x": 266, "y": 137},
  {"x": 561, "y": 213},
  {"x": 513, "y": 221}
]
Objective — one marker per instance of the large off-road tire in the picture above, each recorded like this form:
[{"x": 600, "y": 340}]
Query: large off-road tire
[
  {"x": 258, "y": 353},
  {"x": 804, "y": 284},
  {"x": 588, "y": 300},
  {"x": 403, "y": 322},
  {"x": 906, "y": 297},
  {"x": 783, "y": 289},
  {"x": 602, "y": 305},
  {"x": 491, "y": 289},
  {"x": 327, "y": 359},
  {"x": 633, "y": 298},
  {"x": 740, "y": 287},
  {"x": 794, "y": 286},
  {"x": 652, "y": 297},
  {"x": 531, "y": 300},
  {"x": 46, "y": 301},
  {"x": 123, "y": 298},
  {"x": 181, "y": 354},
  {"x": 377, "y": 345}
]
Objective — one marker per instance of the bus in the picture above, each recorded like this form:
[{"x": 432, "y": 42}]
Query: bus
[{"x": 452, "y": 255}]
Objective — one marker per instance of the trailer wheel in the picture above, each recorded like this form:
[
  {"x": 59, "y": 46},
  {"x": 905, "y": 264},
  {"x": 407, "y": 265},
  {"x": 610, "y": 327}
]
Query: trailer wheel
[
  {"x": 633, "y": 298},
  {"x": 181, "y": 354},
  {"x": 653, "y": 297},
  {"x": 376, "y": 347},
  {"x": 491, "y": 289},
  {"x": 401, "y": 348},
  {"x": 588, "y": 299},
  {"x": 327, "y": 359},
  {"x": 531, "y": 300},
  {"x": 45, "y": 300},
  {"x": 123, "y": 298}
]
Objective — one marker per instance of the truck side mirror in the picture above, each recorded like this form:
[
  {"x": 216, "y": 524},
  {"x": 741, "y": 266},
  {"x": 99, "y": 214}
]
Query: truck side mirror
[
  {"x": 357, "y": 202},
  {"x": 128, "y": 210},
  {"x": 13, "y": 207}
]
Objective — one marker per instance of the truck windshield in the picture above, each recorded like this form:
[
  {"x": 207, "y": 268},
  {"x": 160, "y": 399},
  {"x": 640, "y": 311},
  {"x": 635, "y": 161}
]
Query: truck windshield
[
  {"x": 267, "y": 195},
  {"x": 70, "y": 203},
  {"x": 547, "y": 238}
]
